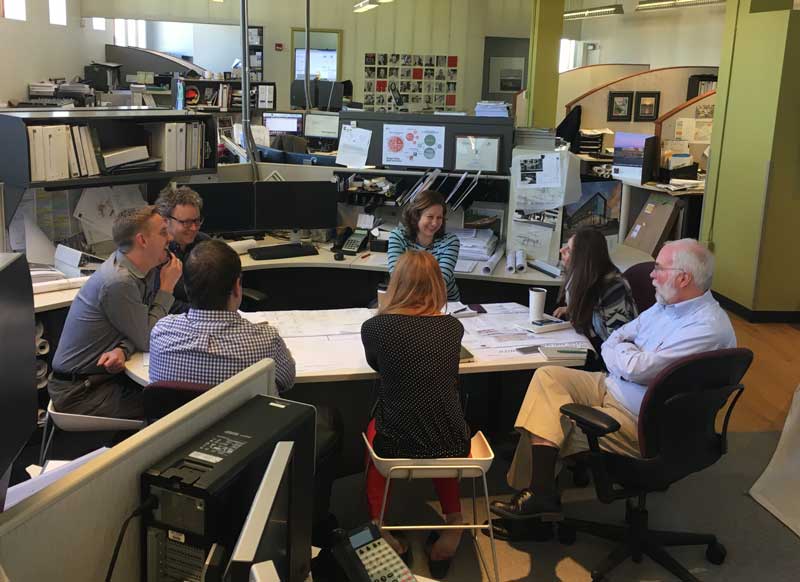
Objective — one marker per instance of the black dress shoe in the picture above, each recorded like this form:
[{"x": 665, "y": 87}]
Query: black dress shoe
[
  {"x": 526, "y": 505},
  {"x": 521, "y": 530},
  {"x": 438, "y": 568}
]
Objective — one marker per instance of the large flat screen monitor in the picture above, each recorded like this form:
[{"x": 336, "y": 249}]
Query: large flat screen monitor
[
  {"x": 323, "y": 64},
  {"x": 295, "y": 205},
  {"x": 17, "y": 363},
  {"x": 323, "y": 125},
  {"x": 281, "y": 123},
  {"x": 265, "y": 534},
  {"x": 228, "y": 207}
]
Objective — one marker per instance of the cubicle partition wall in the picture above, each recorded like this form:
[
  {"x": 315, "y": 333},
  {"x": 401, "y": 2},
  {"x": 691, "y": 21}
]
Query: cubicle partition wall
[
  {"x": 670, "y": 83},
  {"x": 575, "y": 82},
  {"x": 691, "y": 122},
  {"x": 67, "y": 531},
  {"x": 454, "y": 125}
]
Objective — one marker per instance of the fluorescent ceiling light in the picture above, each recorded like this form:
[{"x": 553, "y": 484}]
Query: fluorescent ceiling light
[
  {"x": 364, "y": 5},
  {"x": 659, "y": 4},
  {"x": 594, "y": 12}
]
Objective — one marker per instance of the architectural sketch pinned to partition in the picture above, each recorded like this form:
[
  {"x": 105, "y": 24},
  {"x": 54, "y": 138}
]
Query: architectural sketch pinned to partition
[{"x": 542, "y": 182}]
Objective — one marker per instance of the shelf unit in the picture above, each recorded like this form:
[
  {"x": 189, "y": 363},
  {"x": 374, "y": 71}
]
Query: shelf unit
[
  {"x": 234, "y": 84},
  {"x": 255, "y": 33},
  {"x": 115, "y": 128}
]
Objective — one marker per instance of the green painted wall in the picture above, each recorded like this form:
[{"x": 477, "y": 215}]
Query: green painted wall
[
  {"x": 746, "y": 204},
  {"x": 778, "y": 273},
  {"x": 547, "y": 24}
]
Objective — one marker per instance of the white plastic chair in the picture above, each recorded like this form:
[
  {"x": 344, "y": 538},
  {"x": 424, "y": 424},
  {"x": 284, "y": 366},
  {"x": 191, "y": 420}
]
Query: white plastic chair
[
  {"x": 474, "y": 467},
  {"x": 80, "y": 423}
]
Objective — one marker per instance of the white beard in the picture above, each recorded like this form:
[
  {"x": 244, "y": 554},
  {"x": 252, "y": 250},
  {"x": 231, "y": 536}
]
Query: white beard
[{"x": 665, "y": 294}]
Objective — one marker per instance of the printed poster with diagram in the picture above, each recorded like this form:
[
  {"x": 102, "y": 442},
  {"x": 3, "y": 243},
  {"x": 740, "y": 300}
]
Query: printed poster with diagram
[{"x": 413, "y": 145}]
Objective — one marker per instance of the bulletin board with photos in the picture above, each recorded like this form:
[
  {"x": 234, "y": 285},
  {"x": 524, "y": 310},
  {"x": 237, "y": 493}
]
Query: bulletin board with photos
[{"x": 424, "y": 82}]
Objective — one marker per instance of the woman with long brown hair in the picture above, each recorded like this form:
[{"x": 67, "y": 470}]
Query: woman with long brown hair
[
  {"x": 596, "y": 298},
  {"x": 423, "y": 229},
  {"x": 415, "y": 348}
]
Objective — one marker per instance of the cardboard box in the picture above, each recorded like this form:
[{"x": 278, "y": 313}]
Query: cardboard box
[{"x": 654, "y": 223}]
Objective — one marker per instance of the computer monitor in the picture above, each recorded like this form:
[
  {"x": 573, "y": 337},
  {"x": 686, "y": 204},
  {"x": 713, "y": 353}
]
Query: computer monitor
[
  {"x": 17, "y": 363},
  {"x": 295, "y": 205},
  {"x": 265, "y": 534},
  {"x": 633, "y": 154},
  {"x": 279, "y": 123},
  {"x": 228, "y": 207},
  {"x": 323, "y": 125}
]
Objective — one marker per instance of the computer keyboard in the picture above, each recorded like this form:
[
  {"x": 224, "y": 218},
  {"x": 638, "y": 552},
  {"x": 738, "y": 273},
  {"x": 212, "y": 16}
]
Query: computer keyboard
[{"x": 285, "y": 251}]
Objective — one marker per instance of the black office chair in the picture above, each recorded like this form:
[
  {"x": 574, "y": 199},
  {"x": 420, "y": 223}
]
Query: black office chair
[
  {"x": 677, "y": 437},
  {"x": 638, "y": 277}
]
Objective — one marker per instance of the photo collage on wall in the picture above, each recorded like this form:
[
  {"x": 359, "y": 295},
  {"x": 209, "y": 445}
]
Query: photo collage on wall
[{"x": 422, "y": 82}]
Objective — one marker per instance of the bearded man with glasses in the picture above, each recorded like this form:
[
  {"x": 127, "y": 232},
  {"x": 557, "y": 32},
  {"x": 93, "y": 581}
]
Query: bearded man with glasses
[
  {"x": 685, "y": 320},
  {"x": 181, "y": 208}
]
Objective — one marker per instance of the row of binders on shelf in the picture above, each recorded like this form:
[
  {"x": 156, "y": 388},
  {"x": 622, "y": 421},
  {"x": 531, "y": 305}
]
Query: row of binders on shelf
[
  {"x": 180, "y": 146},
  {"x": 62, "y": 152}
]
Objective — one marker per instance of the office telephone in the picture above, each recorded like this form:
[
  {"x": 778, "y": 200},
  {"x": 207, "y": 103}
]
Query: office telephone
[
  {"x": 353, "y": 241},
  {"x": 366, "y": 557}
]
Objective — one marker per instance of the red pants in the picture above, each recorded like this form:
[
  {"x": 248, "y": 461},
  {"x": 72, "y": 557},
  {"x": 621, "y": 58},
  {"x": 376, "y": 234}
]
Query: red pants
[{"x": 446, "y": 489}]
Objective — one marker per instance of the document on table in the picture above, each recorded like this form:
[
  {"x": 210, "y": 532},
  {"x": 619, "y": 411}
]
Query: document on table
[
  {"x": 330, "y": 353},
  {"x": 312, "y": 323}
]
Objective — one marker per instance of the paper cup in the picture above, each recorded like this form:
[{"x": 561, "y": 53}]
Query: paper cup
[
  {"x": 536, "y": 300},
  {"x": 381, "y": 298}
]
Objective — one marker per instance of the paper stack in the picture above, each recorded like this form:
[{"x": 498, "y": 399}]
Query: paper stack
[
  {"x": 476, "y": 244},
  {"x": 491, "y": 109}
]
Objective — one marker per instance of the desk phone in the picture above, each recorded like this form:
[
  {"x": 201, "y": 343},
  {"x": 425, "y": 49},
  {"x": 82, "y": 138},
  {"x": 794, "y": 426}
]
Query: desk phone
[
  {"x": 355, "y": 242},
  {"x": 366, "y": 557}
]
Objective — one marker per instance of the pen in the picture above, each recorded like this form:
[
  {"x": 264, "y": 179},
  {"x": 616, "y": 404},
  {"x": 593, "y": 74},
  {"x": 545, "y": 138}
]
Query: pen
[
  {"x": 365, "y": 255},
  {"x": 571, "y": 351},
  {"x": 460, "y": 310}
]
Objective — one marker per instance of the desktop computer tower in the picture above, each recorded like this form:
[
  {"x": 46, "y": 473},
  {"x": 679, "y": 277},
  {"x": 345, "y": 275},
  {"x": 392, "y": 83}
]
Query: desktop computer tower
[{"x": 205, "y": 488}]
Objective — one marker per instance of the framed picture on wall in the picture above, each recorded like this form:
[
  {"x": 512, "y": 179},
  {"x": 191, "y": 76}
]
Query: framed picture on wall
[
  {"x": 646, "y": 108},
  {"x": 620, "y": 105}
]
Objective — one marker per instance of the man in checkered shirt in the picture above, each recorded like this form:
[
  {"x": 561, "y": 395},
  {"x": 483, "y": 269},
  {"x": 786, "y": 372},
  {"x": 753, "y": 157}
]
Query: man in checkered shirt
[{"x": 212, "y": 342}]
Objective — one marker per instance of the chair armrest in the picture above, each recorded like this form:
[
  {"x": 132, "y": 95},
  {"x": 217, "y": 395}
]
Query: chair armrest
[{"x": 590, "y": 420}]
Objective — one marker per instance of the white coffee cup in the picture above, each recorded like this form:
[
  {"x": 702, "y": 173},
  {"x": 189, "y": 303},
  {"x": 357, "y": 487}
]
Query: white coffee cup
[{"x": 536, "y": 300}]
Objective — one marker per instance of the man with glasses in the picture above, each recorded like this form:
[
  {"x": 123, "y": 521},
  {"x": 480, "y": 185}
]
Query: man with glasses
[
  {"x": 181, "y": 206},
  {"x": 685, "y": 320}
]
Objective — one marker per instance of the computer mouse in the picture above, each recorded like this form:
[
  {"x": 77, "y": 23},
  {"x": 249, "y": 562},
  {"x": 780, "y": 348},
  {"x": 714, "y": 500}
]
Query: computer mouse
[{"x": 338, "y": 256}]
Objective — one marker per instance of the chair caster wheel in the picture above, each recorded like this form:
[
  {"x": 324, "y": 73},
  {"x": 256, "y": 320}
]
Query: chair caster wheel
[
  {"x": 566, "y": 535},
  {"x": 715, "y": 553}
]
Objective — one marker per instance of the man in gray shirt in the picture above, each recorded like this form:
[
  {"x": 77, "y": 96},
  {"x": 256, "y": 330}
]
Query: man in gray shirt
[{"x": 111, "y": 318}]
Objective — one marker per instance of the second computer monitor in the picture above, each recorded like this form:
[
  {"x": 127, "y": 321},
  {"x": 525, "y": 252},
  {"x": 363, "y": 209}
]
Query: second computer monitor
[
  {"x": 322, "y": 125},
  {"x": 296, "y": 205},
  {"x": 228, "y": 207},
  {"x": 284, "y": 123}
]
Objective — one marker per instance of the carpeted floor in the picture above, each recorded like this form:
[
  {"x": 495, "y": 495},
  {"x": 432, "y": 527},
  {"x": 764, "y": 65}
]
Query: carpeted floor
[{"x": 715, "y": 501}]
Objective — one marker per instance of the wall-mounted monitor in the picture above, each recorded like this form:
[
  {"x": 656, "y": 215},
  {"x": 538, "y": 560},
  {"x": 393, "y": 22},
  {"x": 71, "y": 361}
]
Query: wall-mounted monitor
[{"x": 323, "y": 64}]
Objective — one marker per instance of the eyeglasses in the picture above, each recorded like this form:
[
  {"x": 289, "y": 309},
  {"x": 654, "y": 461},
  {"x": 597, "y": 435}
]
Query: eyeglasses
[
  {"x": 658, "y": 268},
  {"x": 198, "y": 222}
]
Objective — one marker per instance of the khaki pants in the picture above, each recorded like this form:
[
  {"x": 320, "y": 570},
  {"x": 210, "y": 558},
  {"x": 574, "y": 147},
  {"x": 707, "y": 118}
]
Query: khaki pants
[{"x": 551, "y": 388}]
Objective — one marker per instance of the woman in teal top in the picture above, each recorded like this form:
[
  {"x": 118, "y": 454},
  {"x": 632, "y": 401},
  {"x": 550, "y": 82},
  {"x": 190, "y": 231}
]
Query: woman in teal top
[{"x": 423, "y": 229}]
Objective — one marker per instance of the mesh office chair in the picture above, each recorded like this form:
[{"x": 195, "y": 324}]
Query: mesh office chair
[
  {"x": 638, "y": 277},
  {"x": 677, "y": 437}
]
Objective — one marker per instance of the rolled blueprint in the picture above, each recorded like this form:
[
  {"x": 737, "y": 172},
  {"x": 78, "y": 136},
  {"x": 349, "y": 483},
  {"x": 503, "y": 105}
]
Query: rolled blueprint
[
  {"x": 488, "y": 267},
  {"x": 519, "y": 261},
  {"x": 511, "y": 265},
  {"x": 41, "y": 369},
  {"x": 39, "y": 329},
  {"x": 536, "y": 299}
]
